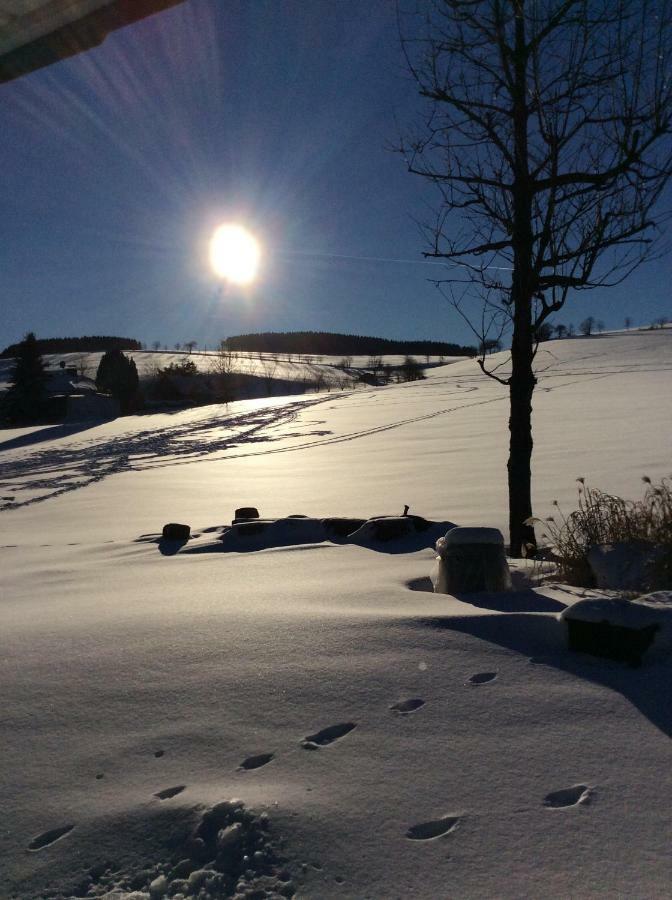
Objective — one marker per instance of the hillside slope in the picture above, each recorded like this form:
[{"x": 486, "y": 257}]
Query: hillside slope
[{"x": 461, "y": 751}]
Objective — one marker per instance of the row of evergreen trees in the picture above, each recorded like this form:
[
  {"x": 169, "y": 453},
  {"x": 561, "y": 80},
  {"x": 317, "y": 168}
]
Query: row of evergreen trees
[
  {"x": 329, "y": 344},
  {"x": 92, "y": 343},
  {"x": 26, "y": 401}
]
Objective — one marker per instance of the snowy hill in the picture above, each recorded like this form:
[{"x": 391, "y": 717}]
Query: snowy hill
[
  {"x": 458, "y": 749},
  {"x": 148, "y": 362}
]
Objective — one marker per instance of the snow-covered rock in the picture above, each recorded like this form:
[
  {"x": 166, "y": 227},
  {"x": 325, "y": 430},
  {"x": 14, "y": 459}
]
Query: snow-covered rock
[{"x": 621, "y": 566}]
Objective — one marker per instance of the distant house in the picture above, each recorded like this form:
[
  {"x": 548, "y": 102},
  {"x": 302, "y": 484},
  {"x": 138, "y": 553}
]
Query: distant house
[{"x": 74, "y": 398}]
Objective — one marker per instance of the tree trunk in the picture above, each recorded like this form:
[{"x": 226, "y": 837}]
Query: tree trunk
[
  {"x": 522, "y": 381},
  {"x": 520, "y": 445}
]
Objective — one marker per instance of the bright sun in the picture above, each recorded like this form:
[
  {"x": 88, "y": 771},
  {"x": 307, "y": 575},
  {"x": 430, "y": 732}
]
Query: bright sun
[{"x": 234, "y": 254}]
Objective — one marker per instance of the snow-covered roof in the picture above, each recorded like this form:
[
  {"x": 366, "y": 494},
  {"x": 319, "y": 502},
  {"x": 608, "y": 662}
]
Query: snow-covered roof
[
  {"x": 37, "y": 33},
  {"x": 60, "y": 381}
]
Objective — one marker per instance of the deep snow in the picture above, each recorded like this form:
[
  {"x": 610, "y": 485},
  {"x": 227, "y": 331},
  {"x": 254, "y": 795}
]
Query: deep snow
[{"x": 484, "y": 761}]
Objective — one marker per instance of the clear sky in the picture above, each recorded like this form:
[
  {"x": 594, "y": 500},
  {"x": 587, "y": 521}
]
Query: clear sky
[{"x": 118, "y": 164}]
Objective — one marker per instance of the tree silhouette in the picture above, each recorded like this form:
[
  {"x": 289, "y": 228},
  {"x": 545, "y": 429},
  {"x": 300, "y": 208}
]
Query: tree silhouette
[
  {"x": 547, "y": 139},
  {"x": 586, "y": 327},
  {"x": 118, "y": 375},
  {"x": 25, "y": 401}
]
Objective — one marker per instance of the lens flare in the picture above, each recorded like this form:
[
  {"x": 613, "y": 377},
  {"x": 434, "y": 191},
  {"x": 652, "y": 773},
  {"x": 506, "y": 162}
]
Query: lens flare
[{"x": 235, "y": 254}]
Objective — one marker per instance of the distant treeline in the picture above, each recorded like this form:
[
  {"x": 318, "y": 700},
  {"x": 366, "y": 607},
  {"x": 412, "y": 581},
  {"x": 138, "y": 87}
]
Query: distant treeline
[
  {"x": 86, "y": 344},
  {"x": 327, "y": 344}
]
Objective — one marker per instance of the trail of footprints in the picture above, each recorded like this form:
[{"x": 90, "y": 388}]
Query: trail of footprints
[{"x": 565, "y": 798}]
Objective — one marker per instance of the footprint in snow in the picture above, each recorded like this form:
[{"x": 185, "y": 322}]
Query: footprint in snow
[
  {"x": 482, "y": 678},
  {"x": 427, "y": 831},
  {"x": 49, "y": 837},
  {"x": 404, "y": 707},
  {"x": 256, "y": 762},
  {"x": 167, "y": 793},
  {"x": 578, "y": 795},
  {"x": 327, "y": 735}
]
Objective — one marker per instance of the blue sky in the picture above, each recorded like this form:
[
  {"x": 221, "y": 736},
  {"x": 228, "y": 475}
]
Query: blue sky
[{"x": 118, "y": 164}]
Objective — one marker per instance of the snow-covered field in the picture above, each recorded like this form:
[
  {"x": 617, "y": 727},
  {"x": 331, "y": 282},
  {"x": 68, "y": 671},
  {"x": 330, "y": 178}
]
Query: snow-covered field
[
  {"x": 140, "y": 687},
  {"x": 269, "y": 366}
]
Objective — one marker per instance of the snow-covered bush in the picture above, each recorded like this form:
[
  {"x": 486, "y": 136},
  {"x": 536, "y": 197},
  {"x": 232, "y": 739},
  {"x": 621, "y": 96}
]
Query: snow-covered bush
[{"x": 602, "y": 518}]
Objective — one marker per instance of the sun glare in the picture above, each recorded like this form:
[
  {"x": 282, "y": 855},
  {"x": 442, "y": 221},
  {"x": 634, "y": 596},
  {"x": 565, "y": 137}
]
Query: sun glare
[{"x": 234, "y": 254}]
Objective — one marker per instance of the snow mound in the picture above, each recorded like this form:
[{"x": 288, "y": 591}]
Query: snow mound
[
  {"x": 392, "y": 534},
  {"x": 257, "y": 534},
  {"x": 651, "y": 609},
  {"x": 398, "y": 533}
]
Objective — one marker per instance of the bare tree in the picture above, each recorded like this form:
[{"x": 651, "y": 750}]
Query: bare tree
[
  {"x": 375, "y": 364},
  {"x": 628, "y": 323},
  {"x": 222, "y": 365},
  {"x": 410, "y": 370},
  {"x": 268, "y": 369},
  {"x": 547, "y": 137},
  {"x": 190, "y": 345},
  {"x": 156, "y": 345},
  {"x": 319, "y": 380},
  {"x": 544, "y": 332},
  {"x": 178, "y": 346},
  {"x": 489, "y": 345},
  {"x": 83, "y": 365},
  {"x": 586, "y": 327}
]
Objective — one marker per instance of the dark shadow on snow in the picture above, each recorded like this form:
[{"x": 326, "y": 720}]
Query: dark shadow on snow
[
  {"x": 514, "y": 602},
  {"x": 52, "y": 433},
  {"x": 274, "y": 548},
  {"x": 544, "y": 638},
  {"x": 170, "y": 548},
  {"x": 421, "y": 584},
  {"x": 525, "y": 600}
]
